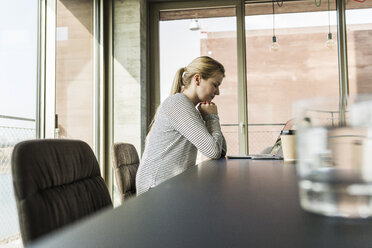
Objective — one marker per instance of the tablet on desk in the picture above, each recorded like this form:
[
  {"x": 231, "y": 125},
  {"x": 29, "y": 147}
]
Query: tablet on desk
[{"x": 256, "y": 156}]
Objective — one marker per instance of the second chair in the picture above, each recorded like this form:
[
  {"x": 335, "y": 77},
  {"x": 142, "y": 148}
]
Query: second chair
[{"x": 125, "y": 162}]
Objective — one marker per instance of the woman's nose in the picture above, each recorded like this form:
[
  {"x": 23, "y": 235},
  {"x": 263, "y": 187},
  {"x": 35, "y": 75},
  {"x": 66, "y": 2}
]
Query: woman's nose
[{"x": 217, "y": 91}]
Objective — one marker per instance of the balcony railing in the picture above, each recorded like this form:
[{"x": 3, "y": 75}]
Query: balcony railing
[
  {"x": 260, "y": 136},
  {"x": 12, "y": 130}
]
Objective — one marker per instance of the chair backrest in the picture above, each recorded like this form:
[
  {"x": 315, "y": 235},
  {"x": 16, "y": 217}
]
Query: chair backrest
[
  {"x": 125, "y": 163},
  {"x": 55, "y": 183}
]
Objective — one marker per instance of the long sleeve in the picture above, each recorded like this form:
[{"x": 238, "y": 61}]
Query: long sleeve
[
  {"x": 171, "y": 148},
  {"x": 207, "y": 138},
  {"x": 224, "y": 147}
]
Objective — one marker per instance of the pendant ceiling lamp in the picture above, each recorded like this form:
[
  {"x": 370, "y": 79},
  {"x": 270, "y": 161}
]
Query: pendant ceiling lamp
[
  {"x": 194, "y": 25},
  {"x": 274, "y": 45},
  {"x": 330, "y": 43}
]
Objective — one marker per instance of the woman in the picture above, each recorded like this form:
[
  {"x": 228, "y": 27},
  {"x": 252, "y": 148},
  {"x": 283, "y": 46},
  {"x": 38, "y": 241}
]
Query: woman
[{"x": 185, "y": 122}]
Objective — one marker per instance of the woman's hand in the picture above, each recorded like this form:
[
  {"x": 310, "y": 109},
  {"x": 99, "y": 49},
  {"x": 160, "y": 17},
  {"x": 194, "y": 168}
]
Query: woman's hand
[{"x": 207, "y": 108}]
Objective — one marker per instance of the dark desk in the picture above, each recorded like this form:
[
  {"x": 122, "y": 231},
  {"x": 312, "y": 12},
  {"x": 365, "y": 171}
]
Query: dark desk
[{"x": 224, "y": 203}]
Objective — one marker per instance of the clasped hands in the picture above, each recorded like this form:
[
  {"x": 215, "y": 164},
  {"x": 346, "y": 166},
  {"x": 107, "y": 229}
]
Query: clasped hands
[{"x": 206, "y": 108}]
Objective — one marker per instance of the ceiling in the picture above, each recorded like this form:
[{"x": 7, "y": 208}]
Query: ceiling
[{"x": 254, "y": 7}]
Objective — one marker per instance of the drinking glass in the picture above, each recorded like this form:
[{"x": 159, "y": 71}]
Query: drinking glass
[{"x": 334, "y": 156}]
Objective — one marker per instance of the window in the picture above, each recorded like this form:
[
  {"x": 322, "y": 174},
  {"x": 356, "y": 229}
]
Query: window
[
  {"x": 303, "y": 67},
  {"x": 75, "y": 85},
  {"x": 18, "y": 85},
  {"x": 306, "y": 64},
  {"x": 187, "y": 34},
  {"x": 359, "y": 42}
]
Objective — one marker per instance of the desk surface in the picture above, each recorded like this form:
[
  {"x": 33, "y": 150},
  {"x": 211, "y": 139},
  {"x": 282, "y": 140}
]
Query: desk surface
[{"x": 223, "y": 203}]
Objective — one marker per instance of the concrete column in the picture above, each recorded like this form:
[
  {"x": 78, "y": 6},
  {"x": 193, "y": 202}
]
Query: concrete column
[{"x": 129, "y": 69}]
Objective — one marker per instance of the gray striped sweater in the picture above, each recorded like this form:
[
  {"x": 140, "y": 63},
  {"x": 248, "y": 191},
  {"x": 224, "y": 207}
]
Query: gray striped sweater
[{"x": 176, "y": 135}]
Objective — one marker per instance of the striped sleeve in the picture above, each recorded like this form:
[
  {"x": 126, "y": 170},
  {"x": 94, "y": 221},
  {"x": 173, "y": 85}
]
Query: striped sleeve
[
  {"x": 206, "y": 137},
  {"x": 224, "y": 147}
]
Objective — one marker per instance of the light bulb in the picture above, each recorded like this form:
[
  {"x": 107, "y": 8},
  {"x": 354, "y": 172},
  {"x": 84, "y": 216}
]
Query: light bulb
[
  {"x": 194, "y": 25},
  {"x": 330, "y": 43},
  {"x": 274, "y": 45}
]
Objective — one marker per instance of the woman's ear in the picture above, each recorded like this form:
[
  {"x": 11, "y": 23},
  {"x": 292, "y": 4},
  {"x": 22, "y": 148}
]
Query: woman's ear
[{"x": 197, "y": 79}]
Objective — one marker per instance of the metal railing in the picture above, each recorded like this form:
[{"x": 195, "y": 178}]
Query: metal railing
[
  {"x": 9, "y": 136},
  {"x": 327, "y": 117},
  {"x": 261, "y": 135}
]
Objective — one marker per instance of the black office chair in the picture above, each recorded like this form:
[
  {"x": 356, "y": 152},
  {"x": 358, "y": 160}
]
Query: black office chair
[
  {"x": 56, "y": 182},
  {"x": 125, "y": 162}
]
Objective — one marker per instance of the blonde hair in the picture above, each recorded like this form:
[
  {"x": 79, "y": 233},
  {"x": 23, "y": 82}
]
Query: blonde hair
[{"x": 204, "y": 65}]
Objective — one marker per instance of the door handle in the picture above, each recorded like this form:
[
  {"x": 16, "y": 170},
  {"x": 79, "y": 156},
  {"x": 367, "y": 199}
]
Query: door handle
[{"x": 241, "y": 127}]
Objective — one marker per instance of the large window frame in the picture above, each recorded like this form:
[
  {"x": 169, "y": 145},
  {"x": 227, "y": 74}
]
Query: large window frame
[
  {"x": 154, "y": 82},
  {"x": 47, "y": 77}
]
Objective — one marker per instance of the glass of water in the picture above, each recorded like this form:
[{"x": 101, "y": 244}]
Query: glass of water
[{"x": 334, "y": 156}]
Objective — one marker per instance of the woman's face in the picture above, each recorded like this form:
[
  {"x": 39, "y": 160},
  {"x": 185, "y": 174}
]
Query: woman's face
[{"x": 209, "y": 88}]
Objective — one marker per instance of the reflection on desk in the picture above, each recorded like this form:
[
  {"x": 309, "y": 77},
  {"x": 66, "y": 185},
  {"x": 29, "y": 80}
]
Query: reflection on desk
[{"x": 219, "y": 203}]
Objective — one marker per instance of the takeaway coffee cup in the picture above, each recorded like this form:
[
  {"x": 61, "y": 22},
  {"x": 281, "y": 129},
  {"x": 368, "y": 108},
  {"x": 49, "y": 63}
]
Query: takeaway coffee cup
[{"x": 288, "y": 139}]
